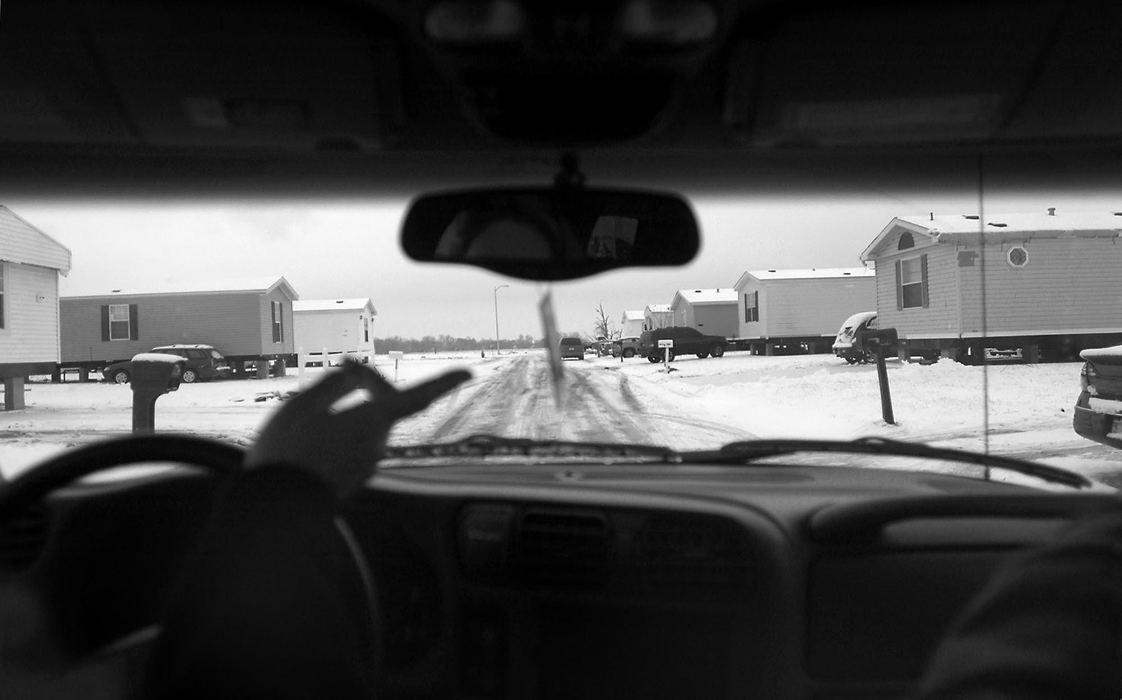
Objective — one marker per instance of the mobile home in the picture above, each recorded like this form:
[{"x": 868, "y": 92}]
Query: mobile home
[
  {"x": 1051, "y": 283},
  {"x": 30, "y": 265},
  {"x": 711, "y": 311},
  {"x": 799, "y": 310},
  {"x": 339, "y": 327},
  {"x": 244, "y": 320}
]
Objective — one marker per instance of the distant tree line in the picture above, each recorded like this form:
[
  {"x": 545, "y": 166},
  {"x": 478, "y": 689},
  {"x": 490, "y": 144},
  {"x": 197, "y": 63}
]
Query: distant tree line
[{"x": 448, "y": 343}]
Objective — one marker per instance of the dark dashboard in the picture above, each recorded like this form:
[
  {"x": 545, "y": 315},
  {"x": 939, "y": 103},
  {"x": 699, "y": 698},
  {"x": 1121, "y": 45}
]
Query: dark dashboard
[{"x": 551, "y": 581}]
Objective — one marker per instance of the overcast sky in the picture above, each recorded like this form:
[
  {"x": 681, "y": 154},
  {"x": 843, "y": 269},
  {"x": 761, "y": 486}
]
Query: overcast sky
[{"x": 350, "y": 249}]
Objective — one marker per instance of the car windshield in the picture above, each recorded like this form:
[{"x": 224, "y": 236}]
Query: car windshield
[{"x": 326, "y": 280}]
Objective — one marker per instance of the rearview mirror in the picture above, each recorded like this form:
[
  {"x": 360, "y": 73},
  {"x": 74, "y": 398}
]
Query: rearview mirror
[{"x": 545, "y": 233}]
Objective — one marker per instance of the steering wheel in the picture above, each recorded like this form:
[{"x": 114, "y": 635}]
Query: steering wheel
[{"x": 219, "y": 458}]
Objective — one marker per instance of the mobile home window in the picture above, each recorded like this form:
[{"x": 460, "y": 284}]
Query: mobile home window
[
  {"x": 365, "y": 329},
  {"x": 119, "y": 326},
  {"x": 752, "y": 307},
  {"x": 911, "y": 283},
  {"x": 278, "y": 322}
]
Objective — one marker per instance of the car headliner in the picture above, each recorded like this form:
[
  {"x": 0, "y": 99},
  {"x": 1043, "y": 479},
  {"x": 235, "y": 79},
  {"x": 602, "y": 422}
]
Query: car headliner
[{"x": 348, "y": 98}]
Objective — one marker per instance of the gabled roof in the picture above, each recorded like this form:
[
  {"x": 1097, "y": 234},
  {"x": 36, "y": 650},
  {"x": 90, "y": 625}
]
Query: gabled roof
[
  {"x": 938, "y": 227},
  {"x": 259, "y": 285},
  {"x": 706, "y": 296},
  {"x": 633, "y": 315},
  {"x": 806, "y": 274},
  {"x": 657, "y": 309},
  {"x": 354, "y": 304},
  {"x": 20, "y": 242}
]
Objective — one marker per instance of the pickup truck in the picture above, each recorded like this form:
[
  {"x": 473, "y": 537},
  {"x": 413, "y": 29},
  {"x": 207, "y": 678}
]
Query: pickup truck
[{"x": 686, "y": 341}]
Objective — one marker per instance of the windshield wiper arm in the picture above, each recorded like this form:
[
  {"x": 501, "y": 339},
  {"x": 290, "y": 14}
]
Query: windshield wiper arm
[
  {"x": 495, "y": 446},
  {"x": 750, "y": 450}
]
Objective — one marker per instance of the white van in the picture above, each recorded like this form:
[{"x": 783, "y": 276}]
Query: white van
[{"x": 845, "y": 344}]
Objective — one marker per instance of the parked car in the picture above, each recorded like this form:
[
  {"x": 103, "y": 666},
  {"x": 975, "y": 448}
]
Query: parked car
[
  {"x": 572, "y": 347},
  {"x": 204, "y": 363},
  {"x": 847, "y": 346},
  {"x": 687, "y": 341},
  {"x": 1098, "y": 410},
  {"x": 627, "y": 347}
]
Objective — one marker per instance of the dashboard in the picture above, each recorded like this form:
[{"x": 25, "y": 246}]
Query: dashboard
[{"x": 592, "y": 581}]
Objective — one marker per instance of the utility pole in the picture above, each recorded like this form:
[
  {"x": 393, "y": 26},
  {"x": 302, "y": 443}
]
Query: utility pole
[{"x": 497, "y": 317}]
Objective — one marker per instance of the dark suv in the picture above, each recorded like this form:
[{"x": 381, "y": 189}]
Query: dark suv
[
  {"x": 203, "y": 364},
  {"x": 686, "y": 341}
]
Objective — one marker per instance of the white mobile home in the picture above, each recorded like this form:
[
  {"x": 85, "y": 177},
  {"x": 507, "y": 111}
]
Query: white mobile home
[
  {"x": 631, "y": 324},
  {"x": 799, "y": 310},
  {"x": 657, "y": 316},
  {"x": 711, "y": 311},
  {"x": 30, "y": 265},
  {"x": 1051, "y": 282},
  {"x": 338, "y": 327}
]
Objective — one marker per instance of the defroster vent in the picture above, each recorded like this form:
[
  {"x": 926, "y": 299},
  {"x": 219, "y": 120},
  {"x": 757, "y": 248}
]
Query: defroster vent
[
  {"x": 562, "y": 548},
  {"x": 22, "y": 539}
]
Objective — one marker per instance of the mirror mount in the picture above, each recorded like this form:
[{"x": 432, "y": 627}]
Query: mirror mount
[{"x": 570, "y": 175}]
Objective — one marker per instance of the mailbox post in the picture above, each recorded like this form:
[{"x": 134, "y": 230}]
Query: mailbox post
[
  {"x": 666, "y": 344},
  {"x": 152, "y": 376},
  {"x": 878, "y": 342},
  {"x": 396, "y": 355}
]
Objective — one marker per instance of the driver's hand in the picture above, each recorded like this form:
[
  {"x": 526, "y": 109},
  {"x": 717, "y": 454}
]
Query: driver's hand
[{"x": 342, "y": 445}]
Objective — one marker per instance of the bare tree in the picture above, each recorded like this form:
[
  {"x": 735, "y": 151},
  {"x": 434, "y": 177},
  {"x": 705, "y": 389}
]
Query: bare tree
[{"x": 603, "y": 327}]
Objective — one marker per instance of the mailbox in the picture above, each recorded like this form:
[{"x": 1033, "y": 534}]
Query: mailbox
[
  {"x": 879, "y": 340},
  {"x": 152, "y": 376}
]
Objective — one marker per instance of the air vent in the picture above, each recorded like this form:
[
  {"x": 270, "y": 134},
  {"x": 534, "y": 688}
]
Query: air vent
[
  {"x": 23, "y": 538},
  {"x": 693, "y": 554},
  {"x": 562, "y": 548}
]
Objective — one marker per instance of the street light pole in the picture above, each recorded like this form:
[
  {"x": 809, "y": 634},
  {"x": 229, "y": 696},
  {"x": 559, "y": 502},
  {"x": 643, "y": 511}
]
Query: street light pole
[{"x": 497, "y": 316}]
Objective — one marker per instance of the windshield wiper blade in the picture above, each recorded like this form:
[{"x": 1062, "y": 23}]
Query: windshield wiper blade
[
  {"x": 495, "y": 446},
  {"x": 750, "y": 450}
]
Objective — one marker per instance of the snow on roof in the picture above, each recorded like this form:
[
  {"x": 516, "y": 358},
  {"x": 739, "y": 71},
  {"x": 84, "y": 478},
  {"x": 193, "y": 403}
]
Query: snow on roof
[
  {"x": 245, "y": 284},
  {"x": 1001, "y": 225},
  {"x": 633, "y": 315},
  {"x": 353, "y": 304},
  {"x": 1115, "y": 352},
  {"x": 813, "y": 273},
  {"x": 709, "y": 296},
  {"x": 20, "y": 242},
  {"x": 659, "y": 309},
  {"x": 1008, "y": 223}
]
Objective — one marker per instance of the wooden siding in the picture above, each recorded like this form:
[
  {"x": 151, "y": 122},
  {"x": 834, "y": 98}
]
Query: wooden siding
[
  {"x": 941, "y": 317},
  {"x": 31, "y": 327},
  {"x": 23, "y": 243},
  {"x": 1068, "y": 284},
  {"x": 229, "y": 321}
]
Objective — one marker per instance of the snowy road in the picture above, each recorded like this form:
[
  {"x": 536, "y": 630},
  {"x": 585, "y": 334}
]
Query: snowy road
[{"x": 515, "y": 398}]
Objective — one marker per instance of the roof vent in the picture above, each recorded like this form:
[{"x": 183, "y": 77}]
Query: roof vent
[
  {"x": 930, "y": 216},
  {"x": 847, "y": 273},
  {"x": 996, "y": 224},
  {"x": 972, "y": 217},
  {"x": 1051, "y": 211},
  {"x": 338, "y": 301},
  {"x": 771, "y": 270},
  {"x": 116, "y": 291}
]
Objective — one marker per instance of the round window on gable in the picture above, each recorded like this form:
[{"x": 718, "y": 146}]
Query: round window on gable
[{"x": 1017, "y": 256}]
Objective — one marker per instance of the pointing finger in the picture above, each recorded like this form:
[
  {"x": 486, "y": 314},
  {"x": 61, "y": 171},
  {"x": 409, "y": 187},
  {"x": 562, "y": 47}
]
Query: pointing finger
[{"x": 420, "y": 396}]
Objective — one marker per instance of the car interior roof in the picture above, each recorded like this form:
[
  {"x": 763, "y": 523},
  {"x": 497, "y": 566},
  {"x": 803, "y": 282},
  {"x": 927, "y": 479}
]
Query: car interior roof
[{"x": 354, "y": 97}]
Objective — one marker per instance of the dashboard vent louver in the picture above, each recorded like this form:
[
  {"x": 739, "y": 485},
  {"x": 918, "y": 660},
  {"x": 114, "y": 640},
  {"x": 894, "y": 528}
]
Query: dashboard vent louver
[
  {"x": 693, "y": 554},
  {"x": 562, "y": 548},
  {"x": 23, "y": 538}
]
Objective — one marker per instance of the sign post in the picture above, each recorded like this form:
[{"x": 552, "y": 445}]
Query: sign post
[
  {"x": 396, "y": 356},
  {"x": 666, "y": 345}
]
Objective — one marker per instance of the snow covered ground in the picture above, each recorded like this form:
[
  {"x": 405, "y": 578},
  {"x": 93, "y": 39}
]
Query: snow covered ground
[{"x": 796, "y": 396}]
